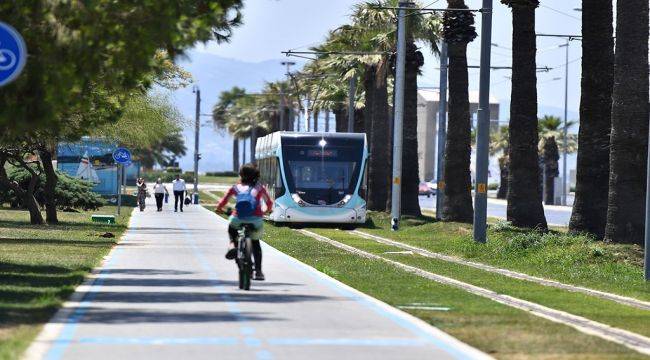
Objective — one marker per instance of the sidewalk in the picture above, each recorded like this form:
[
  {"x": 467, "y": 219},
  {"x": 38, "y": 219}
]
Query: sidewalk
[{"x": 166, "y": 292}]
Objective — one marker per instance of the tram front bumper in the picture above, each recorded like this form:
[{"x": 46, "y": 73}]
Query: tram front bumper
[{"x": 321, "y": 214}]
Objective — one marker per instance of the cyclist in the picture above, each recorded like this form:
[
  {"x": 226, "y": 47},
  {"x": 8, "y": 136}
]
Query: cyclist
[{"x": 249, "y": 194}]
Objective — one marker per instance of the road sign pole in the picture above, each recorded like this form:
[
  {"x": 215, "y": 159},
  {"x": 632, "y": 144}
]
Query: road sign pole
[
  {"x": 442, "y": 130},
  {"x": 119, "y": 191},
  {"x": 566, "y": 121},
  {"x": 396, "y": 196},
  {"x": 483, "y": 128}
]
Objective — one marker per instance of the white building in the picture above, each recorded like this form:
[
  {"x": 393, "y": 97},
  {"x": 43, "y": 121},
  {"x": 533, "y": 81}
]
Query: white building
[{"x": 428, "y": 100}]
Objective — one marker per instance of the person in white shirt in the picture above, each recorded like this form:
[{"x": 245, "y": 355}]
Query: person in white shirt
[
  {"x": 159, "y": 191},
  {"x": 179, "y": 191}
]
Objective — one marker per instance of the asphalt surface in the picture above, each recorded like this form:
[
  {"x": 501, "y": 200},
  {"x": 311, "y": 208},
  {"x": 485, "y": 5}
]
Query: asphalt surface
[
  {"x": 166, "y": 292},
  {"x": 555, "y": 215}
]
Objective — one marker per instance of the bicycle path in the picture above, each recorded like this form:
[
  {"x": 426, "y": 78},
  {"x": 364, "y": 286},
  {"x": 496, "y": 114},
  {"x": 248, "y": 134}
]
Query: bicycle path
[{"x": 166, "y": 292}]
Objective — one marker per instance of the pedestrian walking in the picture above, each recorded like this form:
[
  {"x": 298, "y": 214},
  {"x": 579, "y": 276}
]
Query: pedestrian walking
[
  {"x": 179, "y": 188},
  {"x": 160, "y": 191},
  {"x": 142, "y": 193}
]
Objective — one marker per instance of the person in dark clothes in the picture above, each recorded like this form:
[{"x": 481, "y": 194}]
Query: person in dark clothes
[{"x": 179, "y": 188}]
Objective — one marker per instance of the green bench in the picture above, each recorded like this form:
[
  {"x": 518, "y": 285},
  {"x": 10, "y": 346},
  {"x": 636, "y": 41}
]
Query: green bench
[{"x": 106, "y": 219}]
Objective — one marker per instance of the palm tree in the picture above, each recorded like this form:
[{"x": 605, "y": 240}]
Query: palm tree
[
  {"x": 629, "y": 138},
  {"x": 551, "y": 131},
  {"x": 224, "y": 103},
  {"x": 524, "y": 197},
  {"x": 458, "y": 32},
  {"x": 592, "y": 177},
  {"x": 499, "y": 144}
]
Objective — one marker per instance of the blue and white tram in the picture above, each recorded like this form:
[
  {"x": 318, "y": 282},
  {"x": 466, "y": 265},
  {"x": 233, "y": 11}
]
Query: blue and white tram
[{"x": 314, "y": 177}]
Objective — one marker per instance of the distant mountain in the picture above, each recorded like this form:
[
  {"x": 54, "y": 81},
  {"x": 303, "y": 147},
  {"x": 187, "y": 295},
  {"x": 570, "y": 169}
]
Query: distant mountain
[{"x": 214, "y": 74}]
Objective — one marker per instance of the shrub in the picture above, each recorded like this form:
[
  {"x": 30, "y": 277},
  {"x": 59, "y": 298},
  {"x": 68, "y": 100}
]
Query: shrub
[
  {"x": 152, "y": 176},
  {"x": 70, "y": 192},
  {"x": 222, "y": 173}
]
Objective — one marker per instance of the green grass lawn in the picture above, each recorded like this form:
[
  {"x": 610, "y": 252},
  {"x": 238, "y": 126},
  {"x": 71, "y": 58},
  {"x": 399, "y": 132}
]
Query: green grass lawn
[
  {"x": 577, "y": 260},
  {"x": 40, "y": 266},
  {"x": 227, "y": 180}
]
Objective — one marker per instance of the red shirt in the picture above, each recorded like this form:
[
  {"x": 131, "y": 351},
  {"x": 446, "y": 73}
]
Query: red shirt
[{"x": 259, "y": 192}]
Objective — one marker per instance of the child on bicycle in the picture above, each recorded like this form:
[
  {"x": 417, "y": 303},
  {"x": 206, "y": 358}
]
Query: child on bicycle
[{"x": 249, "y": 194}]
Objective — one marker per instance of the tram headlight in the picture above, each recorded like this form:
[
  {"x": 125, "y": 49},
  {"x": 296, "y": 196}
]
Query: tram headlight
[
  {"x": 297, "y": 199},
  {"x": 345, "y": 200}
]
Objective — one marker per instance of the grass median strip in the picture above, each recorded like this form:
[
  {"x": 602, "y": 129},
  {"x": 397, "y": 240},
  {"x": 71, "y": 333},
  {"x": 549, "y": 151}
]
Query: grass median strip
[
  {"x": 40, "y": 266},
  {"x": 502, "y": 331},
  {"x": 569, "y": 259},
  {"x": 644, "y": 305},
  {"x": 626, "y": 338}
]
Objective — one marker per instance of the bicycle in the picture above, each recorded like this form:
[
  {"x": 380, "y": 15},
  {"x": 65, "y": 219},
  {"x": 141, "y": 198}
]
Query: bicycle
[
  {"x": 244, "y": 257},
  {"x": 7, "y": 59}
]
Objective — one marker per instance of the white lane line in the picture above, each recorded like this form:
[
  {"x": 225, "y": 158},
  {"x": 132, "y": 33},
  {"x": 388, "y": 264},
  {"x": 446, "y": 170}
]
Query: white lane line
[
  {"x": 640, "y": 304},
  {"x": 626, "y": 338}
]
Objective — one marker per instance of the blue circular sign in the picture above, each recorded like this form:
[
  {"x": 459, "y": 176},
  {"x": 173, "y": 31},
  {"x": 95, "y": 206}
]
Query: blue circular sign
[
  {"x": 13, "y": 54},
  {"x": 122, "y": 156}
]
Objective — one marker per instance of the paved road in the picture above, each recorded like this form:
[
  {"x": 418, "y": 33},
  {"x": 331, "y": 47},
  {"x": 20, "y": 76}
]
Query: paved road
[
  {"x": 555, "y": 215},
  {"x": 166, "y": 292}
]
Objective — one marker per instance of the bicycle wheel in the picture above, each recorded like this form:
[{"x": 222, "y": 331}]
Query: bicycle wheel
[{"x": 248, "y": 264}]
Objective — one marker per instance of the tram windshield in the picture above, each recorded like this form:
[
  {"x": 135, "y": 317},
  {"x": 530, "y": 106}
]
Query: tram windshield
[{"x": 322, "y": 170}]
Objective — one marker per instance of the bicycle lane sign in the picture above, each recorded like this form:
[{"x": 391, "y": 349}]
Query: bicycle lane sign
[{"x": 13, "y": 54}]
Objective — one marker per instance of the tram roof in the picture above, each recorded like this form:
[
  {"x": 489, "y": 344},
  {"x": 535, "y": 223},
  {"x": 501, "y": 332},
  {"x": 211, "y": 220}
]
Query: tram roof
[{"x": 266, "y": 145}]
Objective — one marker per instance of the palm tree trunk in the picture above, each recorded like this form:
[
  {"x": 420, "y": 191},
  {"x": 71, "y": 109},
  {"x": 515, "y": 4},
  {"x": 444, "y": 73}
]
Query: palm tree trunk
[
  {"x": 380, "y": 152},
  {"x": 524, "y": 198},
  {"x": 410, "y": 171},
  {"x": 592, "y": 177},
  {"x": 369, "y": 76},
  {"x": 341, "y": 118},
  {"x": 235, "y": 154},
  {"x": 359, "y": 125},
  {"x": 629, "y": 138},
  {"x": 551, "y": 155},
  {"x": 502, "y": 193},
  {"x": 316, "y": 115},
  {"x": 327, "y": 120},
  {"x": 457, "y": 203}
]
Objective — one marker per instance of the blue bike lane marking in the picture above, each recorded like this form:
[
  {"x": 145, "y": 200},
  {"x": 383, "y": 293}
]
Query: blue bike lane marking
[
  {"x": 67, "y": 334},
  {"x": 246, "y": 329}
]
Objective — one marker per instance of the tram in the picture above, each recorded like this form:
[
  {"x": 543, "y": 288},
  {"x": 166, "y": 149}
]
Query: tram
[{"x": 314, "y": 177}]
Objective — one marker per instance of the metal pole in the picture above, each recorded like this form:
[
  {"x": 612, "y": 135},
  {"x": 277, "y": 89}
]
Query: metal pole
[
  {"x": 396, "y": 196},
  {"x": 566, "y": 115},
  {"x": 253, "y": 140},
  {"x": 327, "y": 120},
  {"x": 442, "y": 130},
  {"x": 351, "y": 97},
  {"x": 119, "y": 192},
  {"x": 197, "y": 126},
  {"x": 282, "y": 114},
  {"x": 483, "y": 127}
]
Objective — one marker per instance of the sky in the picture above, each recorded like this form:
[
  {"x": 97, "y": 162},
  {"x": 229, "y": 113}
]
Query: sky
[{"x": 272, "y": 26}]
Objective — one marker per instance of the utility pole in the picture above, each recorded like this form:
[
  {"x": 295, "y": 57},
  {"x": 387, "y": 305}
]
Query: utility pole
[
  {"x": 283, "y": 100},
  {"x": 351, "y": 97},
  {"x": 442, "y": 130},
  {"x": 197, "y": 156},
  {"x": 566, "y": 115},
  {"x": 327, "y": 120},
  {"x": 483, "y": 127},
  {"x": 396, "y": 196}
]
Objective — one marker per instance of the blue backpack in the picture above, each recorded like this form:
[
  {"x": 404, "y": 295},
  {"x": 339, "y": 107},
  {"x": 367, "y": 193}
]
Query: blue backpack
[{"x": 246, "y": 203}]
